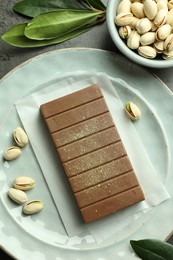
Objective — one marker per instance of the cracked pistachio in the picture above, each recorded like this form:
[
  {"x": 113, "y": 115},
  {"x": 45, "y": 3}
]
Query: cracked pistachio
[
  {"x": 167, "y": 55},
  {"x": 17, "y": 196},
  {"x": 24, "y": 183},
  {"x": 133, "y": 22},
  {"x": 169, "y": 19},
  {"x": 147, "y": 52},
  {"x": 137, "y": 9},
  {"x": 148, "y": 38},
  {"x": 162, "y": 5},
  {"x": 160, "y": 17},
  {"x": 33, "y": 206},
  {"x": 150, "y": 9},
  {"x": 133, "y": 40},
  {"x": 12, "y": 153},
  {"x": 124, "y": 6},
  {"x": 125, "y": 31},
  {"x": 134, "y": 1},
  {"x": 170, "y": 4},
  {"x": 163, "y": 32},
  {"x": 123, "y": 19},
  {"x": 153, "y": 27},
  {"x": 168, "y": 44},
  {"x": 20, "y": 137},
  {"x": 166, "y": 1},
  {"x": 132, "y": 111},
  {"x": 158, "y": 45}
]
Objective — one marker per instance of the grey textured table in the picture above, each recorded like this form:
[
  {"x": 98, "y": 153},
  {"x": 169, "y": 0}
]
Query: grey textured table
[{"x": 98, "y": 38}]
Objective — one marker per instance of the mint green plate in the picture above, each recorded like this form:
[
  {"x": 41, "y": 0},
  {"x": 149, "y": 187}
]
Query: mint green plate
[{"x": 38, "y": 237}]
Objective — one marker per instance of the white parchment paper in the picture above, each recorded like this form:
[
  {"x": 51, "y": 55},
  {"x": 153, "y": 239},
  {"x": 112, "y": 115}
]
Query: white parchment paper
[{"x": 28, "y": 110}]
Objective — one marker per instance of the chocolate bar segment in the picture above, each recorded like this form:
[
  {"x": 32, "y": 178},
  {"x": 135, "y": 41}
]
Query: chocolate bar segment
[
  {"x": 83, "y": 146},
  {"x": 94, "y": 159},
  {"x": 103, "y": 172},
  {"x": 106, "y": 189},
  {"x": 82, "y": 129},
  {"x": 76, "y": 115},
  {"x": 71, "y": 101},
  {"x": 112, "y": 204},
  {"x": 92, "y": 153}
]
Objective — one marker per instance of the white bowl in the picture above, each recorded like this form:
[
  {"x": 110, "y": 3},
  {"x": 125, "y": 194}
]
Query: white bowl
[{"x": 121, "y": 45}]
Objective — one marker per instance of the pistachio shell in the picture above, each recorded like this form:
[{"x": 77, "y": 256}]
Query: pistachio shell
[
  {"x": 24, "y": 183},
  {"x": 162, "y": 5},
  {"x": 170, "y": 4},
  {"x": 123, "y": 19},
  {"x": 137, "y": 10},
  {"x": 144, "y": 25},
  {"x": 20, "y": 137},
  {"x": 17, "y": 196},
  {"x": 125, "y": 31},
  {"x": 153, "y": 27},
  {"x": 133, "y": 40},
  {"x": 148, "y": 38},
  {"x": 132, "y": 111},
  {"x": 135, "y": 1},
  {"x": 168, "y": 44},
  {"x": 147, "y": 52},
  {"x": 167, "y": 55},
  {"x": 166, "y": 1},
  {"x": 169, "y": 19},
  {"x": 160, "y": 17},
  {"x": 158, "y": 45},
  {"x": 133, "y": 22},
  {"x": 33, "y": 206},
  {"x": 163, "y": 32},
  {"x": 150, "y": 9},
  {"x": 124, "y": 6},
  {"x": 12, "y": 153}
]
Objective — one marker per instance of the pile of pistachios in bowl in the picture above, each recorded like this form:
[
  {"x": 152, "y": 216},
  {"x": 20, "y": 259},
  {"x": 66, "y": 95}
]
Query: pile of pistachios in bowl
[{"x": 147, "y": 27}]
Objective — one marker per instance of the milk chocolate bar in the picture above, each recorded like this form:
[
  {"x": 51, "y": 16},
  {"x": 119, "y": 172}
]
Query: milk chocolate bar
[{"x": 92, "y": 153}]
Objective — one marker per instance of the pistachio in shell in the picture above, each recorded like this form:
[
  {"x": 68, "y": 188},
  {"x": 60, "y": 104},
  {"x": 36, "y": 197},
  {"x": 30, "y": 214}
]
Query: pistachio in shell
[
  {"x": 132, "y": 111},
  {"x": 17, "y": 196},
  {"x": 32, "y": 207},
  {"x": 12, "y": 153},
  {"x": 24, "y": 183},
  {"x": 20, "y": 137}
]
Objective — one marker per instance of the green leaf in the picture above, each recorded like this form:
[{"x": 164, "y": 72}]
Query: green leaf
[
  {"x": 152, "y": 249},
  {"x": 15, "y": 36},
  {"x": 54, "y": 24},
  {"x": 32, "y": 8},
  {"x": 95, "y": 4}
]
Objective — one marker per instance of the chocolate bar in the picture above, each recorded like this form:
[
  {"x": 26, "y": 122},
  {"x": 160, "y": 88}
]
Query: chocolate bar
[{"x": 92, "y": 153}]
